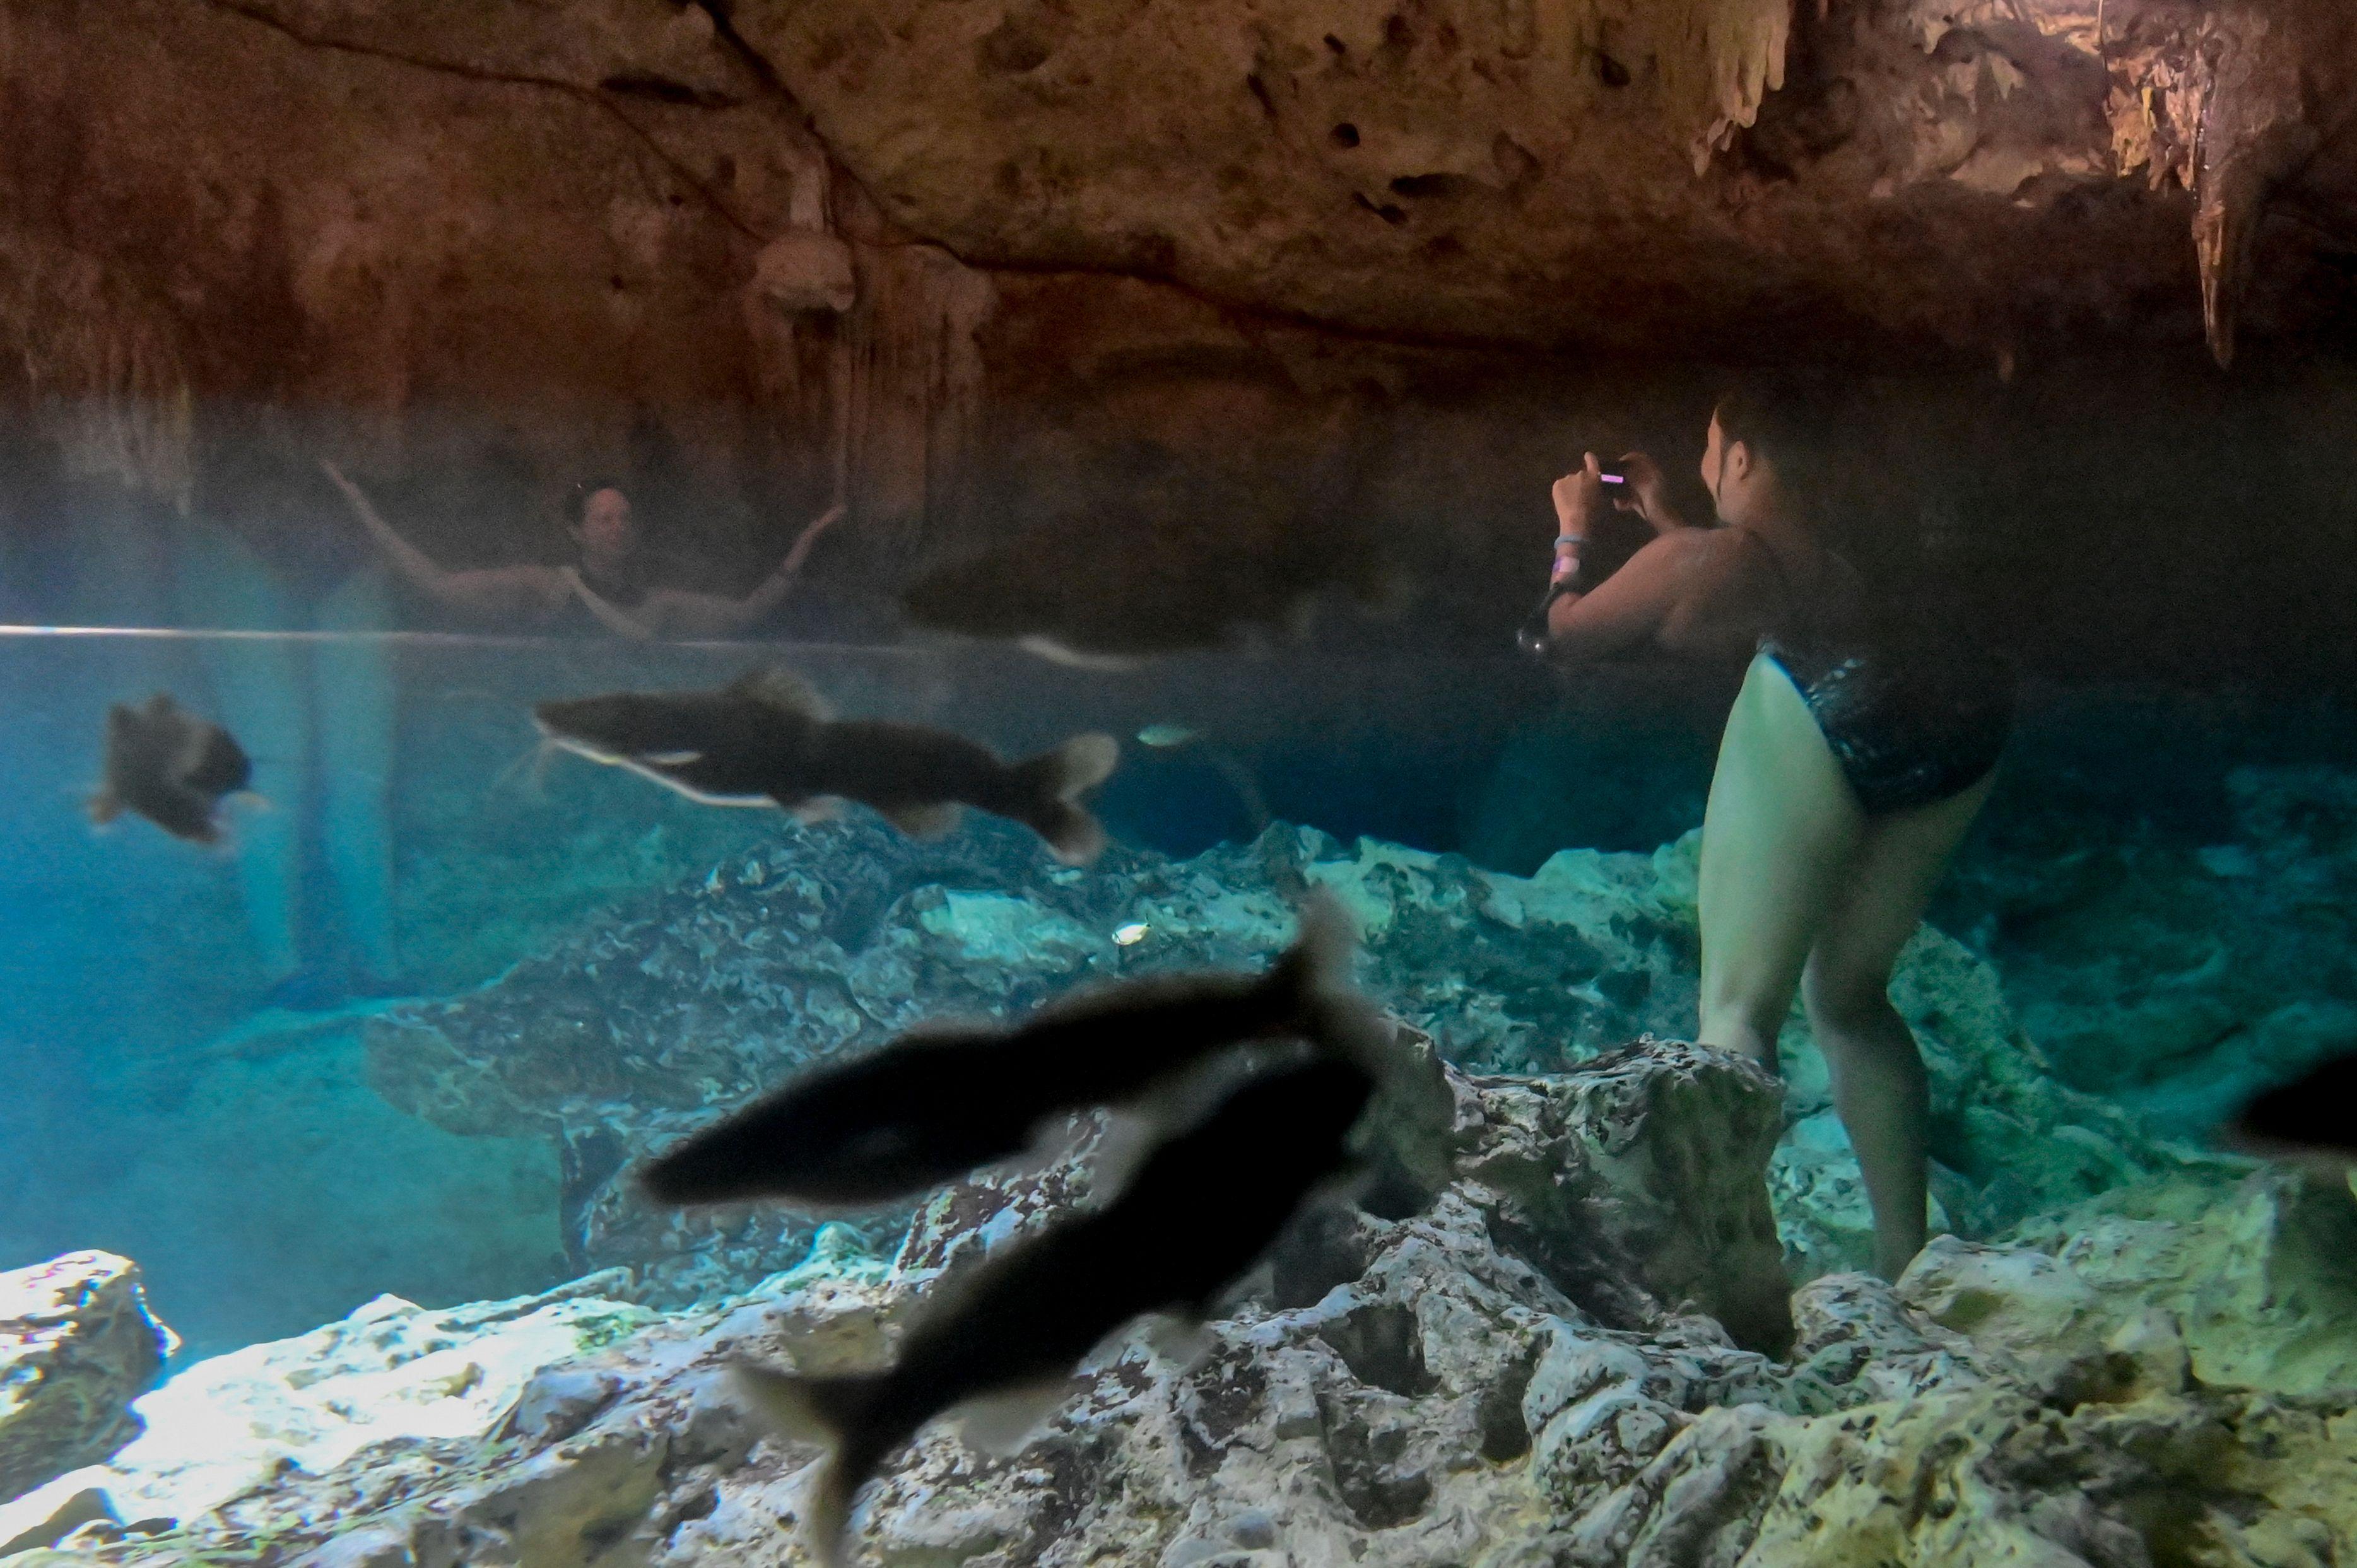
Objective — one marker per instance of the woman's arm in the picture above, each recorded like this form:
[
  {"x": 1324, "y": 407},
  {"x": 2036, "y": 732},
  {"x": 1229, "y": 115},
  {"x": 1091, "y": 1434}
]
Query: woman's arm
[
  {"x": 672, "y": 611},
  {"x": 500, "y": 590},
  {"x": 1629, "y": 609}
]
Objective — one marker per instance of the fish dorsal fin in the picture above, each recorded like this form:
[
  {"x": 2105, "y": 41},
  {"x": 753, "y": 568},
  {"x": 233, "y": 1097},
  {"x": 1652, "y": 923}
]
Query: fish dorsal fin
[{"x": 783, "y": 690}]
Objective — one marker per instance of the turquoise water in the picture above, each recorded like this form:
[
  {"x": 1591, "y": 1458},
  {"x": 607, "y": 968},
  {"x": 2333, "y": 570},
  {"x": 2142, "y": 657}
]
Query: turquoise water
[{"x": 187, "y": 1031}]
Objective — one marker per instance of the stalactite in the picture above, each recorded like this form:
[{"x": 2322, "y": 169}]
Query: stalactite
[
  {"x": 102, "y": 365},
  {"x": 916, "y": 386},
  {"x": 1717, "y": 58},
  {"x": 865, "y": 348},
  {"x": 2255, "y": 129}
]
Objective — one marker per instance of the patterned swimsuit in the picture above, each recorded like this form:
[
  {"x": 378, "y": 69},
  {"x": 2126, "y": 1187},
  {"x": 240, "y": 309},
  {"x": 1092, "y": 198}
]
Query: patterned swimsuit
[{"x": 1915, "y": 713}]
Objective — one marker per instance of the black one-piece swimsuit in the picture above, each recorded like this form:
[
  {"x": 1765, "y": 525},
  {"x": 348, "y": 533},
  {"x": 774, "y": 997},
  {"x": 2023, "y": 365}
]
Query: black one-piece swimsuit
[{"x": 1913, "y": 712}]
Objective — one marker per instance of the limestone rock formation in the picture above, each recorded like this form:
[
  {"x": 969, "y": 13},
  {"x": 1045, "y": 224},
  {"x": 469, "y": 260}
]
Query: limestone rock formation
[
  {"x": 2180, "y": 978},
  {"x": 690, "y": 1000},
  {"x": 1419, "y": 1389},
  {"x": 391, "y": 1372},
  {"x": 77, "y": 1346}
]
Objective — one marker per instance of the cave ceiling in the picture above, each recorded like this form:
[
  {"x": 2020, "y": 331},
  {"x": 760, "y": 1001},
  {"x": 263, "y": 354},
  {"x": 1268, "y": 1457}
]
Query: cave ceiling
[
  {"x": 811, "y": 208},
  {"x": 1688, "y": 176}
]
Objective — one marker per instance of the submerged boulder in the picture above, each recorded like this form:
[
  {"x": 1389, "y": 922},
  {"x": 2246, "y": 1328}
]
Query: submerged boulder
[
  {"x": 392, "y": 1372},
  {"x": 685, "y": 1002},
  {"x": 77, "y": 1346},
  {"x": 1424, "y": 1388}
]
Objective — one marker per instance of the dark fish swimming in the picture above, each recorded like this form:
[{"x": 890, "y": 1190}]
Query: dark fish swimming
[
  {"x": 766, "y": 738},
  {"x": 2305, "y": 1122},
  {"x": 938, "y": 1102},
  {"x": 1197, "y": 1214},
  {"x": 170, "y": 766}
]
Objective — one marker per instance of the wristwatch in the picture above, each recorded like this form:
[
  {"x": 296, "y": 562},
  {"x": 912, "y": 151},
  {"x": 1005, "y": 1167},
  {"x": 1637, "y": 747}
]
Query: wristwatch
[{"x": 1532, "y": 635}]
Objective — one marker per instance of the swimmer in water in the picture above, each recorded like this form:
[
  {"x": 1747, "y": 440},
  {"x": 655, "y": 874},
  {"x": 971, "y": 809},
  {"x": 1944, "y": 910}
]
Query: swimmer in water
[{"x": 606, "y": 580}]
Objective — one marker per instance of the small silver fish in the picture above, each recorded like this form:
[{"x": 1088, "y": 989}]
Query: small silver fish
[{"x": 1164, "y": 737}]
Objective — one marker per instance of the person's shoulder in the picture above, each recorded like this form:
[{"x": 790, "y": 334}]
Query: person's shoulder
[{"x": 1694, "y": 548}]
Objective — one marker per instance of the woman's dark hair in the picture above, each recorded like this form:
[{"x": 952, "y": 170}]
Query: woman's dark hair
[
  {"x": 1787, "y": 419},
  {"x": 576, "y": 500}
]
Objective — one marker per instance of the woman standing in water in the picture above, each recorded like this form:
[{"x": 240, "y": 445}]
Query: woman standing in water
[
  {"x": 1860, "y": 748},
  {"x": 607, "y": 581}
]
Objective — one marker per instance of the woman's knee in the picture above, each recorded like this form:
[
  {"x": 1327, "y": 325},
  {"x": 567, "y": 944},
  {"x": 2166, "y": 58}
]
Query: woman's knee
[{"x": 1850, "y": 1002}]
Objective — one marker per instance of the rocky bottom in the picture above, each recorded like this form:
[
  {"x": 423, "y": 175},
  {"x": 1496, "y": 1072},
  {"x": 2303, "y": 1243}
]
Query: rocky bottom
[{"x": 1528, "y": 1363}]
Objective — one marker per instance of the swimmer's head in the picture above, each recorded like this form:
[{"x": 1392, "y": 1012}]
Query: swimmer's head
[
  {"x": 1764, "y": 446},
  {"x": 597, "y": 514}
]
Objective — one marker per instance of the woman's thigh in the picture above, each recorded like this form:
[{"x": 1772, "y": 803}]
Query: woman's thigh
[
  {"x": 1897, "y": 866},
  {"x": 1779, "y": 841}
]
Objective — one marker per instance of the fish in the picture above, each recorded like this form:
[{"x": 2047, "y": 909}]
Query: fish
[
  {"x": 170, "y": 766},
  {"x": 766, "y": 738},
  {"x": 1130, "y": 935},
  {"x": 2305, "y": 1122},
  {"x": 1196, "y": 1216},
  {"x": 943, "y": 1099},
  {"x": 1164, "y": 737}
]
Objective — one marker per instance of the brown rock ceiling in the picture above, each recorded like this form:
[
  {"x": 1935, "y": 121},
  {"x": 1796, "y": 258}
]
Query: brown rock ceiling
[{"x": 972, "y": 255}]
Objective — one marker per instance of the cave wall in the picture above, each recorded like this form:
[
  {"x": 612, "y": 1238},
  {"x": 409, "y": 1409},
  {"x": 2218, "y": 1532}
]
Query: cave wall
[{"x": 1113, "y": 285}]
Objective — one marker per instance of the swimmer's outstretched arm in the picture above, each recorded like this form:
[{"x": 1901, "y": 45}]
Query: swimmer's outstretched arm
[
  {"x": 676, "y": 612},
  {"x": 498, "y": 590}
]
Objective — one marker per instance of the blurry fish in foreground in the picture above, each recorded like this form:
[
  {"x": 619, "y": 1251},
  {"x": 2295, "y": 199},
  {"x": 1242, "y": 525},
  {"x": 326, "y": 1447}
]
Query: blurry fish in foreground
[
  {"x": 1129, "y": 936},
  {"x": 1196, "y": 1216},
  {"x": 766, "y": 738},
  {"x": 170, "y": 766},
  {"x": 2305, "y": 1121},
  {"x": 940, "y": 1101}
]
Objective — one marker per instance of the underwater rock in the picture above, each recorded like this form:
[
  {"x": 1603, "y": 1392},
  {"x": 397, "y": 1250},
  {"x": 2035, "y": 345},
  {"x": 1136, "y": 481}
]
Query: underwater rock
[
  {"x": 391, "y": 1374},
  {"x": 2250, "y": 1274},
  {"x": 1424, "y": 1395},
  {"x": 2181, "y": 979},
  {"x": 1639, "y": 1174},
  {"x": 77, "y": 1346},
  {"x": 684, "y": 1003}
]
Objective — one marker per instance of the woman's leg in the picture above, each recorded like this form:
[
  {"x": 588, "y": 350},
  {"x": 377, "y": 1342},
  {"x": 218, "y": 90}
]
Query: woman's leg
[
  {"x": 1777, "y": 839},
  {"x": 1878, "y": 1072}
]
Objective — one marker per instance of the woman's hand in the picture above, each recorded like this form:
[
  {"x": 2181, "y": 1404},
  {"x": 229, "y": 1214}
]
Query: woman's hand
[
  {"x": 1579, "y": 497},
  {"x": 1647, "y": 493}
]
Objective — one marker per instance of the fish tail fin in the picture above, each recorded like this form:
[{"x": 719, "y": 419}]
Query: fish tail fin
[
  {"x": 1046, "y": 789},
  {"x": 529, "y": 772},
  {"x": 1317, "y": 967},
  {"x": 821, "y": 1413},
  {"x": 1313, "y": 989}
]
